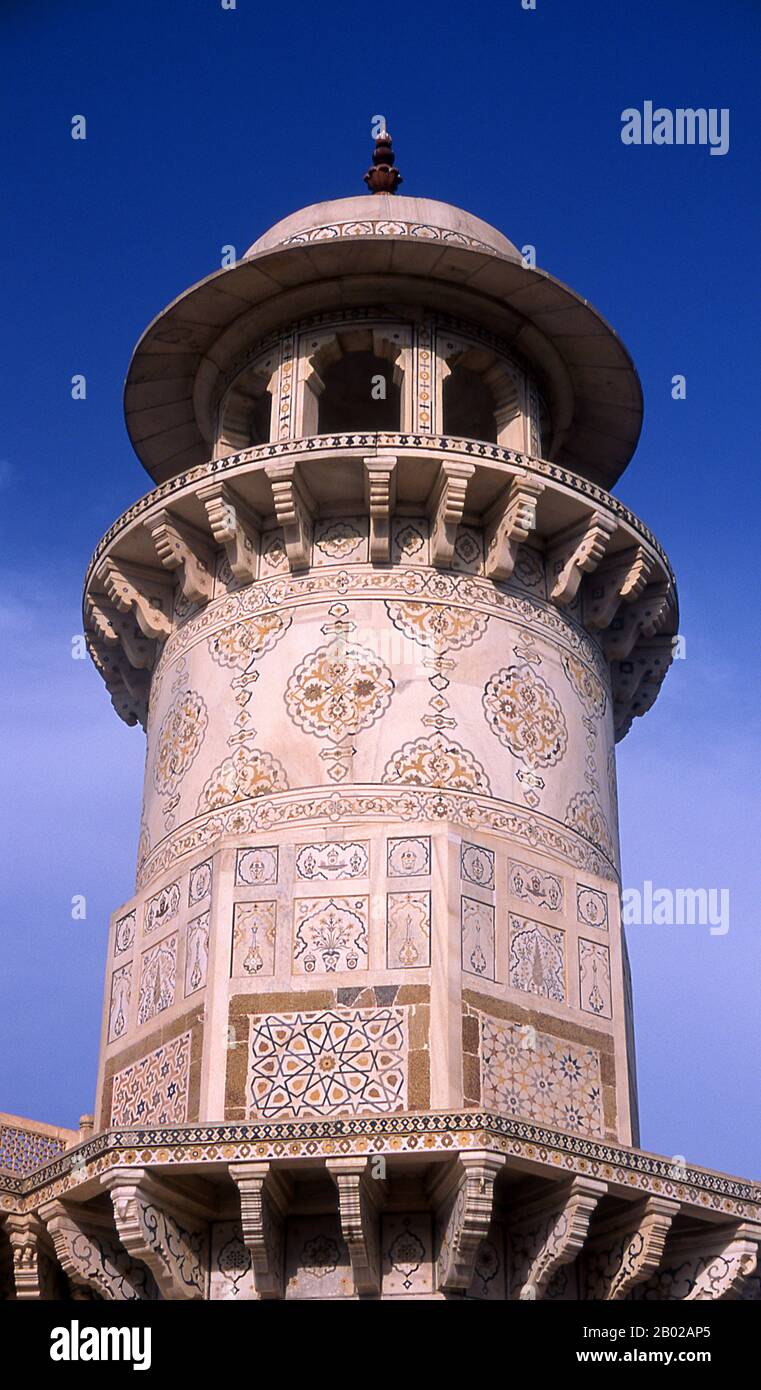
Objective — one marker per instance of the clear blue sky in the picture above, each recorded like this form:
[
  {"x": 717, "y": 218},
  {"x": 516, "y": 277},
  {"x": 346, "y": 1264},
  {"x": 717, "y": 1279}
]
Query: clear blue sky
[{"x": 203, "y": 127}]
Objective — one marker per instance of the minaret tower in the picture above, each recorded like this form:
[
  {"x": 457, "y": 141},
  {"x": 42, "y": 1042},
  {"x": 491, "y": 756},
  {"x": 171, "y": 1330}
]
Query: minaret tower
[{"x": 382, "y": 622}]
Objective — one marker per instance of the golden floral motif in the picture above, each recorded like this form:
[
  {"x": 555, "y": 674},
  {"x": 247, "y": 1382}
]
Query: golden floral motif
[
  {"x": 584, "y": 814},
  {"x": 587, "y": 685},
  {"x": 241, "y": 642},
  {"x": 180, "y": 738},
  {"x": 246, "y": 773},
  {"x": 338, "y": 690},
  {"x": 438, "y": 626},
  {"x": 437, "y": 762},
  {"x": 521, "y": 710}
]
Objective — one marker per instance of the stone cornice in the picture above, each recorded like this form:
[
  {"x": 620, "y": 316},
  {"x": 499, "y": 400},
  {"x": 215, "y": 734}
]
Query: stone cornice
[{"x": 628, "y": 1171}]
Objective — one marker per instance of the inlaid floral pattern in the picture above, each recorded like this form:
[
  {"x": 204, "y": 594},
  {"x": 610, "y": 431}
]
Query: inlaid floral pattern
[
  {"x": 179, "y": 740},
  {"x": 438, "y": 625},
  {"x": 240, "y": 643},
  {"x": 246, "y": 773},
  {"x": 338, "y": 690},
  {"x": 437, "y": 762},
  {"x": 587, "y": 685},
  {"x": 521, "y": 710},
  {"x": 585, "y": 815}
]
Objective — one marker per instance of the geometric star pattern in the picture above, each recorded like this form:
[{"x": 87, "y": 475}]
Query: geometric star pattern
[{"x": 327, "y": 1062}]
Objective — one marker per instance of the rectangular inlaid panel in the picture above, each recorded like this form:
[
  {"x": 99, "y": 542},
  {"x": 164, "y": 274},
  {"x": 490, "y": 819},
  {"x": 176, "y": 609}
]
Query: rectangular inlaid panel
[
  {"x": 256, "y": 867},
  {"x": 329, "y": 935},
  {"x": 408, "y": 930},
  {"x": 154, "y": 1090},
  {"x": 158, "y": 979},
  {"x": 477, "y": 937},
  {"x": 342, "y": 541},
  {"x": 591, "y": 907},
  {"x": 535, "y": 886},
  {"x": 535, "y": 1076},
  {"x": 333, "y": 859},
  {"x": 199, "y": 883},
  {"x": 468, "y": 550},
  {"x": 254, "y": 935},
  {"x": 161, "y": 909},
  {"x": 333, "y": 1061},
  {"x": 316, "y": 1259},
  {"x": 231, "y": 1276},
  {"x": 118, "y": 1014},
  {"x": 197, "y": 953},
  {"x": 409, "y": 541},
  {"x": 477, "y": 865},
  {"x": 124, "y": 933},
  {"x": 407, "y": 1254},
  {"x": 409, "y": 857},
  {"x": 594, "y": 979},
  {"x": 537, "y": 958}
]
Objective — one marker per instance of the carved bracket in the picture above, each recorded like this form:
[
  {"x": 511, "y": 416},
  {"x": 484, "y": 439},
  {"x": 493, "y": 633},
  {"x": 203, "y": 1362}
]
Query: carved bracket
[
  {"x": 294, "y": 508},
  {"x": 577, "y": 553},
  {"x": 264, "y": 1198},
  {"x": 628, "y": 1249},
  {"x": 710, "y": 1264},
  {"x": 235, "y": 527},
  {"x": 644, "y": 617},
  {"x": 358, "y": 1200},
  {"x": 91, "y": 1256},
  {"x": 182, "y": 548},
  {"x": 508, "y": 524},
  {"x": 620, "y": 579},
  {"x": 465, "y": 1215},
  {"x": 380, "y": 497},
  {"x": 446, "y": 505},
  {"x": 136, "y": 589},
  {"x": 117, "y": 629},
  {"x": 168, "y": 1233},
  {"x": 549, "y": 1233},
  {"x": 34, "y": 1272}
]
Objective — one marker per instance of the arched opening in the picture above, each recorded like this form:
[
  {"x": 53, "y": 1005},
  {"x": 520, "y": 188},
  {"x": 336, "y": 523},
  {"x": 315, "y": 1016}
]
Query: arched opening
[
  {"x": 353, "y": 382},
  {"x": 359, "y": 394},
  {"x": 482, "y": 395},
  {"x": 245, "y": 415},
  {"x": 468, "y": 406}
]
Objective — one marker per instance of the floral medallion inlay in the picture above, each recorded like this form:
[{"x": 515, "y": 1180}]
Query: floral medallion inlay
[
  {"x": 437, "y": 625},
  {"x": 521, "y": 710},
  {"x": 246, "y": 773},
  {"x": 338, "y": 690},
  {"x": 180, "y": 738},
  {"x": 437, "y": 762}
]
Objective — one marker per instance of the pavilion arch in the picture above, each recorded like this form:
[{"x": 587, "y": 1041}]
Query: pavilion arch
[
  {"x": 481, "y": 395},
  {"x": 246, "y": 414},
  {"x": 340, "y": 372}
]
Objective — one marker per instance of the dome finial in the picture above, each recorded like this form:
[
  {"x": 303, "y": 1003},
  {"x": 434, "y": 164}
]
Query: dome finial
[{"x": 383, "y": 177}]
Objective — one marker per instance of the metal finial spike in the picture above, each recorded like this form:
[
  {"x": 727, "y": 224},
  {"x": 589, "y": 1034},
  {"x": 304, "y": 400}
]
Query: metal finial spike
[{"x": 383, "y": 177}]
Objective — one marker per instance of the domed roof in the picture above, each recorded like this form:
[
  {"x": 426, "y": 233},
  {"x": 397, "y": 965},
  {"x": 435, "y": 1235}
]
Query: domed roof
[{"x": 385, "y": 214}]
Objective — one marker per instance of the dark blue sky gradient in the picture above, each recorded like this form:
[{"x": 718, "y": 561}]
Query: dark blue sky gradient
[{"x": 204, "y": 127}]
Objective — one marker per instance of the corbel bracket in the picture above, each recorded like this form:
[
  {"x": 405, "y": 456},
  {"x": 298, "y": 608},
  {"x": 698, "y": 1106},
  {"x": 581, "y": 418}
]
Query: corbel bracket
[
  {"x": 577, "y": 553},
  {"x": 446, "y": 505},
  {"x": 508, "y": 523},
  {"x": 465, "y": 1203},
  {"x": 618, "y": 579},
  {"x": 167, "y": 1233},
  {"x": 628, "y": 1249},
  {"x": 380, "y": 498},
  {"x": 264, "y": 1198},
  {"x": 549, "y": 1233},
  {"x": 234, "y": 526},
  {"x": 358, "y": 1200},
  {"x": 294, "y": 509},
  {"x": 183, "y": 549},
  {"x": 91, "y": 1256},
  {"x": 136, "y": 589}
]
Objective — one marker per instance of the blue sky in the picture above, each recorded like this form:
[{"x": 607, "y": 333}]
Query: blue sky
[{"x": 204, "y": 126}]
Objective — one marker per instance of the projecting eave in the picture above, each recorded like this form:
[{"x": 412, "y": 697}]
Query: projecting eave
[{"x": 181, "y": 363}]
